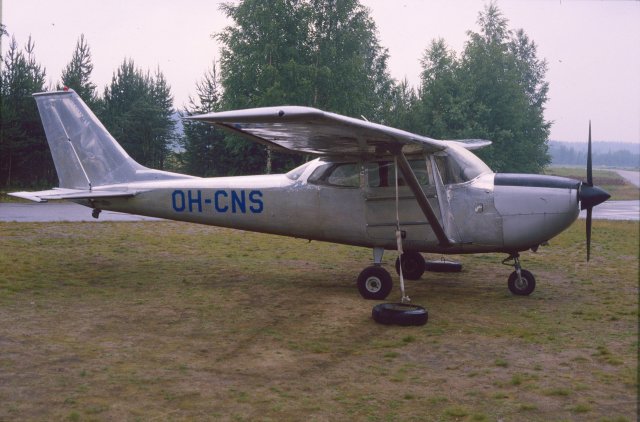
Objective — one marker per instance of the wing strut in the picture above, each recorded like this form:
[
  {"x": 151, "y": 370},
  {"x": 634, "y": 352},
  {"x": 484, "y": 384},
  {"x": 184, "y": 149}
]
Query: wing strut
[{"x": 414, "y": 185}]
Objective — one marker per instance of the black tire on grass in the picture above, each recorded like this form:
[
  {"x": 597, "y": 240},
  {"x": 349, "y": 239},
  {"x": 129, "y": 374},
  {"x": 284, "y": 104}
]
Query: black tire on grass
[{"x": 399, "y": 314}]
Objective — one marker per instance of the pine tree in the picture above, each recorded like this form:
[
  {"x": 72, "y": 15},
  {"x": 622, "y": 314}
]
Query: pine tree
[
  {"x": 137, "y": 110},
  {"x": 24, "y": 154},
  {"x": 204, "y": 153},
  {"x": 77, "y": 74},
  {"x": 164, "y": 126}
]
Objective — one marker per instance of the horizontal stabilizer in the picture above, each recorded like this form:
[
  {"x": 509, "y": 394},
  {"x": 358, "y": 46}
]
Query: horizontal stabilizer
[{"x": 61, "y": 193}]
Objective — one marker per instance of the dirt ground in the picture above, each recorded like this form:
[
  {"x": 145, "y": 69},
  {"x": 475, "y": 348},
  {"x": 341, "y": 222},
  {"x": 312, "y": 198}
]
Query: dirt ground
[{"x": 172, "y": 321}]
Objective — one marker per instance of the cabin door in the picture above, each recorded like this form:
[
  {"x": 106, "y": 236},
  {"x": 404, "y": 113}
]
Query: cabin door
[{"x": 380, "y": 201}]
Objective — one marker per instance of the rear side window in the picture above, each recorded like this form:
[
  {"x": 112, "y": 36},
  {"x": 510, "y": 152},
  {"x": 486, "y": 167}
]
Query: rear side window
[{"x": 381, "y": 174}]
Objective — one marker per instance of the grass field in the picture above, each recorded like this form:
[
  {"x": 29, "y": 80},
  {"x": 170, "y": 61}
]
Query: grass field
[{"x": 172, "y": 321}]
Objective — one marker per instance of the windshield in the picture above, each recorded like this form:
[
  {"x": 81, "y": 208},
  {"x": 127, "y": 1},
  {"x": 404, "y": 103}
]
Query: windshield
[
  {"x": 297, "y": 172},
  {"x": 459, "y": 165}
]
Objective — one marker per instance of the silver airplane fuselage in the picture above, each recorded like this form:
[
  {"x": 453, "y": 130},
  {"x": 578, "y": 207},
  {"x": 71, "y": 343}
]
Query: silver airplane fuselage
[{"x": 490, "y": 213}]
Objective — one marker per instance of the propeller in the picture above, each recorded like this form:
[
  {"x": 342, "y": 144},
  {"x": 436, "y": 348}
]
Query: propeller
[{"x": 590, "y": 195}]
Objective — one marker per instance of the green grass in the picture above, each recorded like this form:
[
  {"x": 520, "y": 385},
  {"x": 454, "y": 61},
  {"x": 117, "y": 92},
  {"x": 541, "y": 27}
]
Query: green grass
[{"x": 166, "y": 320}]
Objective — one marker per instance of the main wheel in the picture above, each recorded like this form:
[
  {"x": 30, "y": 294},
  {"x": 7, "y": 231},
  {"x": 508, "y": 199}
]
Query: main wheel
[
  {"x": 374, "y": 283},
  {"x": 399, "y": 314},
  {"x": 522, "y": 287},
  {"x": 412, "y": 265}
]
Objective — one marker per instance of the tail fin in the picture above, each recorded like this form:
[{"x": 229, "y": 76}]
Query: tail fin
[{"x": 84, "y": 152}]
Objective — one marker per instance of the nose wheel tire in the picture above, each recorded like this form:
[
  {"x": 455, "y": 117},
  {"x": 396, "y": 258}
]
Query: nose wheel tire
[
  {"x": 413, "y": 265},
  {"x": 523, "y": 287},
  {"x": 374, "y": 283},
  {"x": 399, "y": 314}
]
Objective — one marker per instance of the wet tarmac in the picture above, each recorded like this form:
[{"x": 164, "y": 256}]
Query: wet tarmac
[
  {"x": 67, "y": 211},
  {"x": 630, "y": 175},
  {"x": 58, "y": 212},
  {"x": 615, "y": 210}
]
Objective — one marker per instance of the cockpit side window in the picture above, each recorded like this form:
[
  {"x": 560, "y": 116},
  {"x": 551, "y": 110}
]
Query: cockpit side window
[{"x": 381, "y": 174}]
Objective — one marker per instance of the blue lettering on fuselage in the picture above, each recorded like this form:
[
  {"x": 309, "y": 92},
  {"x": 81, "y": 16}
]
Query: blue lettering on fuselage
[
  {"x": 218, "y": 201},
  {"x": 177, "y": 199},
  {"x": 195, "y": 200},
  {"x": 255, "y": 199}
]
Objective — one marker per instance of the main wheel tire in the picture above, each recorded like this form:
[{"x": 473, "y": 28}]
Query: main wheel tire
[
  {"x": 412, "y": 265},
  {"x": 374, "y": 283},
  {"x": 399, "y": 314},
  {"x": 443, "y": 266},
  {"x": 524, "y": 287}
]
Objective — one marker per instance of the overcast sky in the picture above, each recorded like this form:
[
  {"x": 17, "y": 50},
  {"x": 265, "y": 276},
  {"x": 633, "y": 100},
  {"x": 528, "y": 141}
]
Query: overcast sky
[{"x": 592, "y": 47}]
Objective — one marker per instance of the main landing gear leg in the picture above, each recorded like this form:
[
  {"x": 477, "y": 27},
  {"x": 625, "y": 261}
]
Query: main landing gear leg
[{"x": 521, "y": 282}]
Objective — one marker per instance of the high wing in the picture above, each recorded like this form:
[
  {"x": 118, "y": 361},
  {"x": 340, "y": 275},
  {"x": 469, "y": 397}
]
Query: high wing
[
  {"x": 312, "y": 131},
  {"x": 61, "y": 193}
]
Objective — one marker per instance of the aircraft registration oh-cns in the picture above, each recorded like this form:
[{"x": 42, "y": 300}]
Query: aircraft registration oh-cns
[{"x": 443, "y": 199}]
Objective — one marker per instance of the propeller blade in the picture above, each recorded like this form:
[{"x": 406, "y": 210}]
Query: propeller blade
[
  {"x": 589, "y": 211},
  {"x": 589, "y": 164},
  {"x": 589, "y": 195}
]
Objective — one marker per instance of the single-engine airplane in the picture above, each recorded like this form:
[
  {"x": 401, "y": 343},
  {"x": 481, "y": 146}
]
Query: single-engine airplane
[{"x": 443, "y": 199}]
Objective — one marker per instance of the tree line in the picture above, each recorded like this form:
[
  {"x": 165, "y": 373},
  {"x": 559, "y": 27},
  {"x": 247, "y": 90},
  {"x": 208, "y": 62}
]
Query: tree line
[
  {"x": 608, "y": 154},
  {"x": 318, "y": 53}
]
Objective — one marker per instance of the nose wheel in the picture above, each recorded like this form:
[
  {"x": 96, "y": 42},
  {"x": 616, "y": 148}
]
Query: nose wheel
[{"x": 521, "y": 282}]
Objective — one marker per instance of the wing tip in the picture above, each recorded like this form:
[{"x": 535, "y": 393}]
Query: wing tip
[{"x": 471, "y": 144}]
